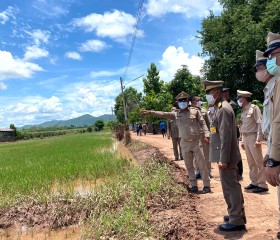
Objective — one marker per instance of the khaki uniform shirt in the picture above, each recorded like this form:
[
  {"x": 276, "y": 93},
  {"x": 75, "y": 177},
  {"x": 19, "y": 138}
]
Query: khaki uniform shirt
[
  {"x": 268, "y": 111},
  {"x": 223, "y": 138},
  {"x": 251, "y": 118},
  {"x": 189, "y": 122},
  {"x": 275, "y": 139}
]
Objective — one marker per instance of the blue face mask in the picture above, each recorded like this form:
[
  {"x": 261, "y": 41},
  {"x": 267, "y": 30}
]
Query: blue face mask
[
  {"x": 272, "y": 67},
  {"x": 182, "y": 105}
]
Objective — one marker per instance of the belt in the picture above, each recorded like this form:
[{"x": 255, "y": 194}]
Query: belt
[{"x": 248, "y": 134}]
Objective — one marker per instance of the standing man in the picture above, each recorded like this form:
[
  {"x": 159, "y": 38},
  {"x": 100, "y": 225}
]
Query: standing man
[
  {"x": 163, "y": 128},
  {"x": 224, "y": 150},
  {"x": 273, "y": 68},
  {"x": 226, "y": 93},
  {"x": 251, "y": 131},
  {"x": 196, "y": 103},
  {"x": 189, "y": 122},
  {"x": 144, "y": 127},
  {"x": 173, "y": 132}
]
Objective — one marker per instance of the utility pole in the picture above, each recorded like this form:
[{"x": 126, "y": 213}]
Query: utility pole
[{"x": 124, "y": 106}]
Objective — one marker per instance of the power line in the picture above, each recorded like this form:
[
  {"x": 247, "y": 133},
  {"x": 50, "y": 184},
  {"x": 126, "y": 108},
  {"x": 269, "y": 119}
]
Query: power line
[{"x": 138, "y": 20}]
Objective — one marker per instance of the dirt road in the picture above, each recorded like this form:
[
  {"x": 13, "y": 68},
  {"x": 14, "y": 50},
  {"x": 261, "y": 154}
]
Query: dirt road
[{"x": 261, "y": 209}]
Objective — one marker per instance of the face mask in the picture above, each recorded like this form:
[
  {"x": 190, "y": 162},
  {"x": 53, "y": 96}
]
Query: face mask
[
  {"x": 182, "y": 105},
  {"x": 198, "y": 104},
  {"x": 272, "y": 67},
  {"x": 211, "y": 100},
  {"x": 262, "y": 76},
  {"x": 239, "y": 103}
]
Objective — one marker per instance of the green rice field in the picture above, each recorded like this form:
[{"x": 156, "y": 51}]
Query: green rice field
[{"x": 30, "y": 168}]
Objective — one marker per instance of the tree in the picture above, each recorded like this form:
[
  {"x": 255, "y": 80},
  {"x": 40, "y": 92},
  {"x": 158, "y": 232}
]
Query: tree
[
  {"x": 98, "y": 125},
  {"x": 185, "y": 81},
  {"x": 229, "y": 41},
  {"x": 133, "y": 100},
  {"x": 152, "y": 83}
]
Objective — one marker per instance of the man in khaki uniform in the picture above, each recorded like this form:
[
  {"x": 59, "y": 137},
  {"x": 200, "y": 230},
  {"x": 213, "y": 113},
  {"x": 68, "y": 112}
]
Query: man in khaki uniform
[
  {"x": 196, "y": 103},
  {"x": 173, "y": 132},
  {"x": 252, "y": 136},
  {"x": 224, "y": 150},
  {"x": 273, "y": 68},
  {"x": 189, "y": 121}
]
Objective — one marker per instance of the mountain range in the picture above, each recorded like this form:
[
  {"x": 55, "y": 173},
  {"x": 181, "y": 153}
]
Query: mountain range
[{"x": 84, "y": 120}]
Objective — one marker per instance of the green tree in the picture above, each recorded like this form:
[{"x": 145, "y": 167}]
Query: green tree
[
  {"x": 185, "y": 81},
  {"x": 152, "y": 82},
  {"x": 133, "y": 100},
  {"x": 98, "y": 125},
  {"x": 229, "y": 41}
]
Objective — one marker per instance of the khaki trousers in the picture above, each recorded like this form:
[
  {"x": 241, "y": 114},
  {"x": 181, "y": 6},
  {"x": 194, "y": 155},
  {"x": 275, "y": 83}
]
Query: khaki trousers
[
  {"x": 255, "y": 161},
  {"x": 233, "y": 194},
  {"x": 193, "y": 149},
  {"x": 176, "y": 145},
  {"x": 205, "y": 148}
]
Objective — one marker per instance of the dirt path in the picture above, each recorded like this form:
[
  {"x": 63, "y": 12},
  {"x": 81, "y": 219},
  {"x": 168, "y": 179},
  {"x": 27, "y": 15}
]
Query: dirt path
[{"x": 261, "y": 209}]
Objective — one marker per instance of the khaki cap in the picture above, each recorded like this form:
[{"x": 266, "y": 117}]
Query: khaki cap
[
  {"x": 182, "y": 95},
  {"x": 260, "y": 59},
  {"x": 209, "y": 85},
  {"x": 243, "y": 93},
  {"x": 273, "y": 41}
]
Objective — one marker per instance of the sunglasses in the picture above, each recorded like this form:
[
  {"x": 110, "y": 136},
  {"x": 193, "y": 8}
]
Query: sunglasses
[{"x": 183, "y": 100}]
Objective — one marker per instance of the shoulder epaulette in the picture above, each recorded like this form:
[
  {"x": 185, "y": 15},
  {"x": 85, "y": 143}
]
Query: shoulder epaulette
[{"x": 219, "y": 104}]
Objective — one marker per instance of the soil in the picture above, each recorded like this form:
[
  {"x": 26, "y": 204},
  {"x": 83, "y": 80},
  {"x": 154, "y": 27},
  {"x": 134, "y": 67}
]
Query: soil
[
  {"x": 199, "y": 217},
  {"x": 190, "y": 216}
]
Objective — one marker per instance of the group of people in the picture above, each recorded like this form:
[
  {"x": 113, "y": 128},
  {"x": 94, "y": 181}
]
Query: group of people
[
  {"x": 141, "y": 128},
  {"x": 213, "y": 136}
]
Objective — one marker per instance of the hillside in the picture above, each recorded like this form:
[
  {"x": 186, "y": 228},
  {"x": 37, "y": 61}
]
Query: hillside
[{"x": 84, "y": 120}]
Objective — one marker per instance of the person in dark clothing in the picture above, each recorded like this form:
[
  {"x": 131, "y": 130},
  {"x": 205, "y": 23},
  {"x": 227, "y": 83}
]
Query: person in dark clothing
[{"x": 234, "y": 107}]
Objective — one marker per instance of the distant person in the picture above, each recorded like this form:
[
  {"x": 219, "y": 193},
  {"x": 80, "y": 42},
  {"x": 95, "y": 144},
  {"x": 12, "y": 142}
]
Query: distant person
[
  {"x": 140, "y": 129},
  {"x": 154, "y": 129},
  {"x": 145, "y": 128},
  {"x": 163, "y": 128},
  {"x": 137, "y": 129}
]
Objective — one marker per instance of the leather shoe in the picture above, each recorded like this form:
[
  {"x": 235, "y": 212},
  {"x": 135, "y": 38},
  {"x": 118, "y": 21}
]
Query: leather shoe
[
  {"x": 193, "y": 189},
  {"x": 259, "y": 190},
  {"x": 226, "y": 218},
  {"x": 197, "y": 176},
  {"x": 278, "y": 235},
  {"x": 228, "y": 227},
  {"x": 176, "y": 159},
  {"x": 206, "y": 190},
  {"x": 251, "y": 186}
]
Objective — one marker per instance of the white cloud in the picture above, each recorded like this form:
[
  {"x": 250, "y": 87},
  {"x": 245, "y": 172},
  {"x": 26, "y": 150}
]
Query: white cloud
[
  {"x": 190, "y": 8},
  {"x": 3, "y": 86},
  {"x": 40, "y": 36},
  {"x": 173, "y": 58},
  {"x": 34, "y": 52},
  {"x": 16, "y": 68},
  {"x": 50, "y": 8},
  {"x": 73, "y": 55},
  {"x": 98, "y": 74},
  {"x": 51, "y": 105},
  {"x": 116, "y": 25},
  {"x": 7, "y": 14},
  {"x": 93, "y": 46}
]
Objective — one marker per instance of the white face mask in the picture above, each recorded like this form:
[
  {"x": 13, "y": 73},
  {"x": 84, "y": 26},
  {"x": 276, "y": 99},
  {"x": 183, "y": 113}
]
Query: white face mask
[
  {"x": 198, "y": 104},
  {"x": 239, "y": 102},
  {"x": 182, "y": 105},
  {"x": 211, "y": 100}
]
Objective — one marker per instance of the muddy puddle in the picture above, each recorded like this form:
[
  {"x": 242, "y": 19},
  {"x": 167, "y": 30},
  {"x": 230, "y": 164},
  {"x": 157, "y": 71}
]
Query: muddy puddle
[{"x": 79, "y": 187}]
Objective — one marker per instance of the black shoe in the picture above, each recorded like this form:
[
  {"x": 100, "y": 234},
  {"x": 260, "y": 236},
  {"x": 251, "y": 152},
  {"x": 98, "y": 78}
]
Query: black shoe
[
  {"x": 176, "y": 159},
  {"x": 278, "y": 235},
  {"x": 259, "y": 190},
  {"x": 181, "y": 158},
  {"x": 210, "y": 175},
  {"x": 226, "y": 218},
  {"x": 250, "y": 186},
  {"x": 197, "y": 176},
  {"x": 193, "y": 189},
  {"x": 228, "y": 227},
  {"x": 206, "y": 190}
]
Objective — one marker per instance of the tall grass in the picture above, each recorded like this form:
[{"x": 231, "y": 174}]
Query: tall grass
[{"x": 31, "y": 167}]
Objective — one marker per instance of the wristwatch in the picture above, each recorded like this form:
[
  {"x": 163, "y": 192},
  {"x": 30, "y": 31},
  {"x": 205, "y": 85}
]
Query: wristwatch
[{"x": 272, "y": 163}]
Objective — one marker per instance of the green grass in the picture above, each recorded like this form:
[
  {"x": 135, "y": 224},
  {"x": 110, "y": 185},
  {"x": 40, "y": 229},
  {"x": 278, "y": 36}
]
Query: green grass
[{"x": 30, "y": 168}]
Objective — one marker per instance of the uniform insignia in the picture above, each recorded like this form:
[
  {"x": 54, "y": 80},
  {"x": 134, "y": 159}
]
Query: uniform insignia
[{"x": 219, "y": 105}]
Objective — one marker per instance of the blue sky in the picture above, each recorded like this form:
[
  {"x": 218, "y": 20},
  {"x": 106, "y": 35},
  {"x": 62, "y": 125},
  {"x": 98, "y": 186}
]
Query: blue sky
[{"x": 60, "y": 59}]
